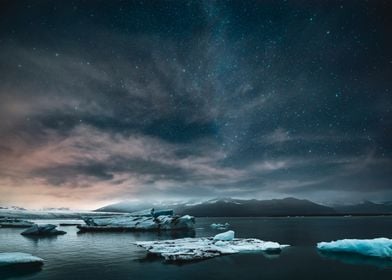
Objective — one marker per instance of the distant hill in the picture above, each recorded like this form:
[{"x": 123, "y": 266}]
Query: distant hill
[
  {"x": 131, "y": 206},
  {"x": 366, "y": 208},
  {"x": 235, "y": 208},
  {"x": 256, "y": 208},
  {"x": 12, "y": 208}
]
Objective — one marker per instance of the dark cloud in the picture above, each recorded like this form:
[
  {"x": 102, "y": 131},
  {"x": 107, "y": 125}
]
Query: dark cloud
[{"x": 172, "y": 100}]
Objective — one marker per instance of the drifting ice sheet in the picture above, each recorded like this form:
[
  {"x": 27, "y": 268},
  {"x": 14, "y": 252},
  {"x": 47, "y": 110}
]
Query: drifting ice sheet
[
  {"x": 190, "y": 249},
  {"x": 14, "y": 258},
  {"x": 11, "y": 222},
  {"x": 220, "y": 226},
  {"x": 378, "y": 247},
  {"x": 131, "y": 222}
]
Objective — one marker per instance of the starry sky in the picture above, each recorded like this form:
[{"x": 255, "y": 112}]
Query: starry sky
[{"x": 103, "y": 101}]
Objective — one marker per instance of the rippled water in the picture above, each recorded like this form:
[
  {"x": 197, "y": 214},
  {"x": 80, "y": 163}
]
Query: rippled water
[{"x": 112, "y": 255}]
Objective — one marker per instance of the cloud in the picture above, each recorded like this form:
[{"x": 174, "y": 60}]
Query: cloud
[{"x": 152, "y": 112}]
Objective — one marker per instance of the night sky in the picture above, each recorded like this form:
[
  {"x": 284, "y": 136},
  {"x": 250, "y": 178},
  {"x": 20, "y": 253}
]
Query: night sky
[{"x": 103, "y": 101}]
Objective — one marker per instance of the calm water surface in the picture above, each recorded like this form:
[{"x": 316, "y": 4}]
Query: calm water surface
[{"x": 112, "y": 255}]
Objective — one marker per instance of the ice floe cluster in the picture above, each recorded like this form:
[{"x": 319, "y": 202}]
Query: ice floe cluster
[
  {"x": 143, "y": 221},
  {"x": 191, "y": 249},
  {"x": 377, "y": 247}
]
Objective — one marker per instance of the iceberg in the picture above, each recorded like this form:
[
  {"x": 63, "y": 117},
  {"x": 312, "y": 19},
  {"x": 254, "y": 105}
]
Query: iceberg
[
  {"x": 220, "y": 226},
  {"x": 378, "y": 247},
  {"x": 192, "y": 249},
  {"x": 225, "y": 236},
  {"x": 43, "y": 230},
  {"x": 11, "y": 222},
  {"x": 129, "y": 222},
  {"x": 14, "y": 258}
]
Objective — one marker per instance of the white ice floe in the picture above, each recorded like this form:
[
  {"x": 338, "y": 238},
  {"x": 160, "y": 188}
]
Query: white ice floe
[
  {"x": 220, "y": 226},
  {"x": 378, "y": 247},
  {"x": 12, "y": 222},
  {"x": 225, "y": 236},
  {"x": 14, "y": 258},
  {"x": 131, "y": 222},
  {"x": 190, "y": 249}
]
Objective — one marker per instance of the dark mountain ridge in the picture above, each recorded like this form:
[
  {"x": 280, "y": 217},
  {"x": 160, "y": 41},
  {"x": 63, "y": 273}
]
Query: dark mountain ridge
[
  {"x": 236, "y": 208},
  {"x": 228, "y": 207}
]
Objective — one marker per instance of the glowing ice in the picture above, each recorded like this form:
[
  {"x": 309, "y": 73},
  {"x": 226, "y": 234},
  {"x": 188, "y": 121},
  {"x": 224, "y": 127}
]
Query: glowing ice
[
  {"x": 225, "y": 236},
  {"x": 378, "y": 247}
]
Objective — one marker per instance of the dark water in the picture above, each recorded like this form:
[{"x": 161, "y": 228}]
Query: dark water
[{"x": 112, "y": 256}]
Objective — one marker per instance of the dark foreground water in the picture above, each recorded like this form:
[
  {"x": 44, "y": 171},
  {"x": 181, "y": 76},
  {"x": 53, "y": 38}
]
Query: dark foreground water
[{"x": 112, "y": 256}]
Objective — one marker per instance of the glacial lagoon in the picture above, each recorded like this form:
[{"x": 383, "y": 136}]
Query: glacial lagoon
[{"x": 112, "y": 255}]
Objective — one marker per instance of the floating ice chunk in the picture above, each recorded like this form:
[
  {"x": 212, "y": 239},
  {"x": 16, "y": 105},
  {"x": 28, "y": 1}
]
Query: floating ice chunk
[
  {"x": 378, "y": 247},
  {"x": 134, "y": 223},
  {"x": 220, "y": 226},
  {"x": 43, "y": 230},
  {"x": 225, "y": 236},
  {"x": 14, "y": 258},
  {"x": 190, "y": 249},
  {"x": 11, "y": 222}
]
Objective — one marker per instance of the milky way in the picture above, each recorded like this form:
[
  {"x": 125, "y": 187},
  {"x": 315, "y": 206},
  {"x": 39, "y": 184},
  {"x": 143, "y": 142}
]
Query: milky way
[{"x": 110, "y": 100}]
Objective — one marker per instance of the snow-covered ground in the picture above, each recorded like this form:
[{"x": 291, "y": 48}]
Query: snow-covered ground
[
  {"x": 14, "y": 258},
  {"x": 378, "y": 247},
  {"x": 190, "y": 249}
]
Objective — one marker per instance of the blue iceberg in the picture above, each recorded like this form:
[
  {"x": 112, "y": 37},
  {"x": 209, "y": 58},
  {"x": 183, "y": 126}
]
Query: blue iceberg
[
  {"x": 378, "y": 247},
  {"x": 17, "y": 258}
]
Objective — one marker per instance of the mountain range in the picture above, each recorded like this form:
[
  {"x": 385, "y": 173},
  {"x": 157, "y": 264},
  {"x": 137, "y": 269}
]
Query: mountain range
[{"x": 228, "y": 207}]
